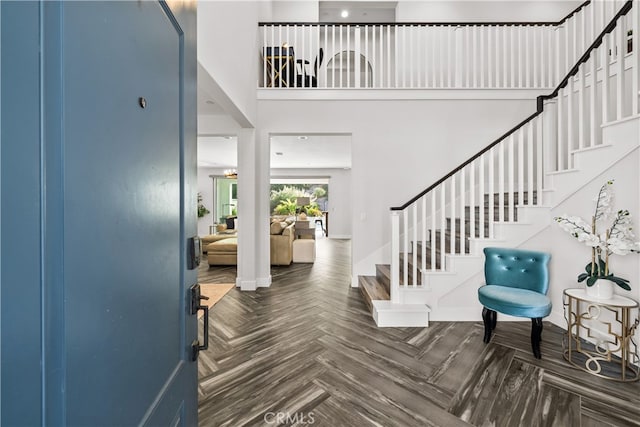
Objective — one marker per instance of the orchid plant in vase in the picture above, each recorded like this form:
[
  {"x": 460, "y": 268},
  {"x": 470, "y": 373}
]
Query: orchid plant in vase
[{"x": 617, "y": 239}]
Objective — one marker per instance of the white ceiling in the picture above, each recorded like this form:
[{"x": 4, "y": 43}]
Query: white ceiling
[
  {"x": 206, "y": 103},
  {"x": 316, "y": 152},
  {"x": 359, "y": 11}
]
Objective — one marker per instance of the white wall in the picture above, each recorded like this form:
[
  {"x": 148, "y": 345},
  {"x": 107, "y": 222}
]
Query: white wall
[
  {"x": 228, "y": 49},
  {"x": 483, "y": 11},
  {"x": 398, "y": 149},
  {"x": 340, "y": 208},
  {"x": 295, "y": 11}
]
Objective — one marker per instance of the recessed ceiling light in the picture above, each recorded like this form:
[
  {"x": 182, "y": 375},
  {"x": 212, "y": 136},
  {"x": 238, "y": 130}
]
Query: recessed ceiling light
[
  {"x": 344, "y": 13},
  {"x": 210, "y": 102},
  {"x": 303, "y": 138},
  {"x": 278, "y": 153}
]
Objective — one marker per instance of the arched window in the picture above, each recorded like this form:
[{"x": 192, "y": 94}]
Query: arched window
[{"x": 342, "y": 70}]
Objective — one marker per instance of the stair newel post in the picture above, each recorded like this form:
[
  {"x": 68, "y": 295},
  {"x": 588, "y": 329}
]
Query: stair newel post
[
  {"x": 549, "y": 139},
  {"x": 395, "y": 257}
]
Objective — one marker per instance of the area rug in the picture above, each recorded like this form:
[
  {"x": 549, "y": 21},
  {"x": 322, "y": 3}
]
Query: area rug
[{"x": 215, "y": 292}]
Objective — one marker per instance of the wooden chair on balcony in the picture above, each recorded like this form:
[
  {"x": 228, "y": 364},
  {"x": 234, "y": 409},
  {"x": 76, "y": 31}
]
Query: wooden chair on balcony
[{"x": 304, "y": 79}]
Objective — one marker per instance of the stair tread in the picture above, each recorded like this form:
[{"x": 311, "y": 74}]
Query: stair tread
[
  {"x": 383, "y": 274},
  {"x": 373, "y": 289}
]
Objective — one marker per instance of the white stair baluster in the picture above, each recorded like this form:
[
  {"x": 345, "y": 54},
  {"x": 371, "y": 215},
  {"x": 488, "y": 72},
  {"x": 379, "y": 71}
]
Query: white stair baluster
[
  {"x": 520, "y": 53},
  {"x": 341, "y": 56},
  {"x": 452, "y": 219},
  {"x": 395, "y": 257},
  {"x": 483, "y": 56},
  {"x": 474, "y": 51},
  {"x": 472, "y": 200},
  {"x": 530, "y": 160},
  {"x": 333, "y": 53},
  {"x": 366, "y": 55},
  {"x": 481, "y": 178},
  {"x": 621, "y": 45},
  {"x": 521, "y": 166},
  {"x": 492, "y": 178},
  {"x": 635, "y": 71},
  {"x": 506, "y": 56},
  {"x": 606, "y": 46},
  {"x": 561, "y": 125},
  {"x": 423, "y": 254},
  {"x": 535, "y": 61},
  {"x": 513, "y": 55},
  {"x": 348, "y": 55},
  {"x": 463, "y": 215},
  {"x": 442, "y": 49},
  {"x": 574, "y": 37},
  {"x": 326, "y": 46},
  {"x": 405, "y": 246},
  {"x": 432, "y": 51},
  {"x": 432, "y": 236},
  {"x": 388, "y": 56},
  {"x": 558, "y": 31},
  {"x": 592, "y": 98},
  {"x": 539, "y": 158},
  {"x": 492, "y": 68},
  {"x": 414, "y": 248},
  {"x": 443, "y": 223},
  {"x": 511, "y": 178},
  {"x": 501, "y": 181},
  {"x": 581, "y": 118}
]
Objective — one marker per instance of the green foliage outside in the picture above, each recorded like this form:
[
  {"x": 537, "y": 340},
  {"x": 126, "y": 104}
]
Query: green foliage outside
[
  {"x": 202, "y": 210},
  {"x": 284, "y": 196}
]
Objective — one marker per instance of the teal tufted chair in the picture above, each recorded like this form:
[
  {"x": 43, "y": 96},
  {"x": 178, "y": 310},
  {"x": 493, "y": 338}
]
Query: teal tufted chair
[{"x": 517, "y": 282}]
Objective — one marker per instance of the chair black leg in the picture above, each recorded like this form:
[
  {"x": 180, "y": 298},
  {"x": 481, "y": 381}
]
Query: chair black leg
[
  {"x": 489, "y": 317},
  {"x": 536, "y": 336}
]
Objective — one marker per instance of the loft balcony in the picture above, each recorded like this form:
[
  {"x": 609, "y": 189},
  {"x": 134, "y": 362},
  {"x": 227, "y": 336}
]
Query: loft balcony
[{"x": 399, "y": 56}]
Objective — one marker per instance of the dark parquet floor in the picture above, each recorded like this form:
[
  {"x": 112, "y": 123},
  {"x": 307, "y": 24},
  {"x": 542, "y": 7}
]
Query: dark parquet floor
[{"x": 307, "y": 352}]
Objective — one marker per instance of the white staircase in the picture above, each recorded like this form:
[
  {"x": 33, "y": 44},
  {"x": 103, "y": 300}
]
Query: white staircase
[{"x": 504, "y": 195}]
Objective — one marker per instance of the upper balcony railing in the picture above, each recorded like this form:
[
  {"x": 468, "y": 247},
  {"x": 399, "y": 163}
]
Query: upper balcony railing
[{"x": 428, "y": 55}]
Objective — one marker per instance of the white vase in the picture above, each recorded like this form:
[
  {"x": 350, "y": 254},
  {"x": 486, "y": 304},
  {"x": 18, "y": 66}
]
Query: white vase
[{"x": 602, "y": 289}]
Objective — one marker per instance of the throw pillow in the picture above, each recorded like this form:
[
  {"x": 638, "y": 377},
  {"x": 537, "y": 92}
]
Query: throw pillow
[{"x": 276, "y": 227}]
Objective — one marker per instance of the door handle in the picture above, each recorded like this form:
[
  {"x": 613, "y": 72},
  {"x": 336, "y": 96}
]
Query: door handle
[{"x": 196, "y": 298}]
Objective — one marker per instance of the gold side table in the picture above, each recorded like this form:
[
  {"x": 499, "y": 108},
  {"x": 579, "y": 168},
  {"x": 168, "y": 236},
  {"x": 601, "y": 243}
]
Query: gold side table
[{"x": 599, "y": 338}]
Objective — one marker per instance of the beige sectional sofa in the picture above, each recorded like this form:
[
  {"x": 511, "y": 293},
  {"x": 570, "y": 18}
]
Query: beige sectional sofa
[
  {"x": 225, "y": 251},
  {"x": 281, "y": 243}
]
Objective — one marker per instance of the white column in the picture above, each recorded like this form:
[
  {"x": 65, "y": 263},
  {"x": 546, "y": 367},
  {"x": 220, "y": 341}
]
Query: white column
[
  {"x": 263, "y": 186},
  {"x": 247, "y": 233}
]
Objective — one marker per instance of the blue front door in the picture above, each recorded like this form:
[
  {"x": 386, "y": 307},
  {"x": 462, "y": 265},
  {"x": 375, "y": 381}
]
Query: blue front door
[{"x": 116, "y": 168}]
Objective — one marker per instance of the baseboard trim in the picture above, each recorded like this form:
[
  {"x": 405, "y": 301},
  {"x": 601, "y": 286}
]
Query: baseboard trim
[
  {"x": 263, "y": 282},
  {"x": 340, "y": 236},
  {"x": 246, "y": 285},
  {"x": 354, "y": 281}
]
